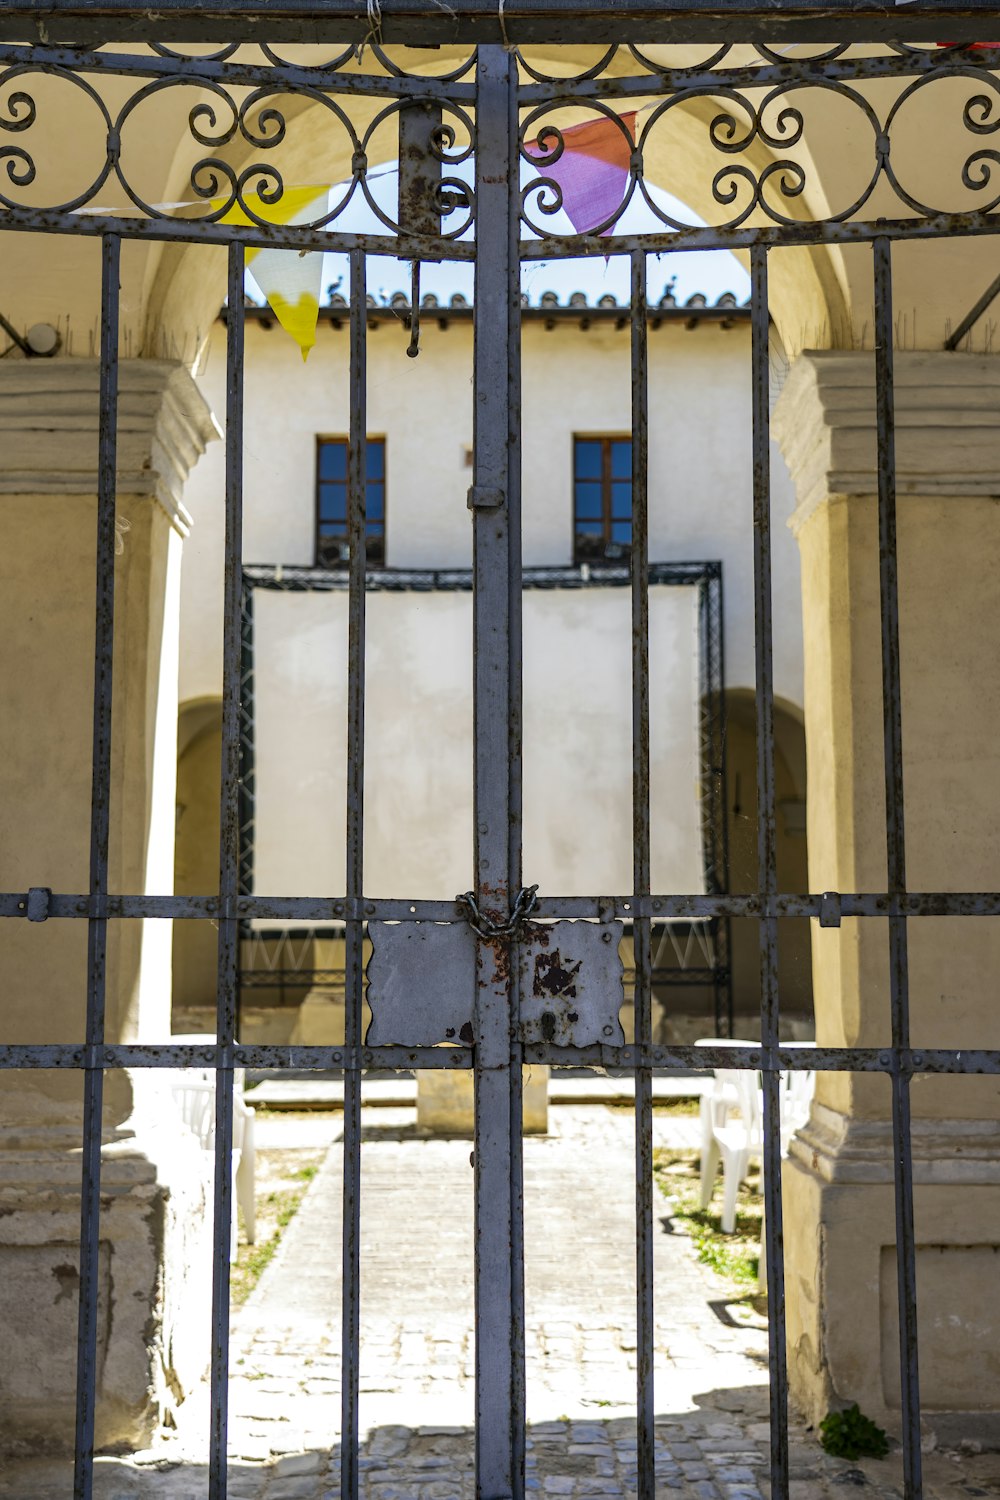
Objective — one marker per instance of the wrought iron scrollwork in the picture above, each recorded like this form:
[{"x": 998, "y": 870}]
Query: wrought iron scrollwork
[{"x": 763, "y": 115}]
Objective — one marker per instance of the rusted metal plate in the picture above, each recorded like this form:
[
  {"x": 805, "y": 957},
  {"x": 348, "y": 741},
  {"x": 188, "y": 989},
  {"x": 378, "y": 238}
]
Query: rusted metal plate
[
  {"x": 571, "y": 984},
  {"x": 421, "y": 983}
]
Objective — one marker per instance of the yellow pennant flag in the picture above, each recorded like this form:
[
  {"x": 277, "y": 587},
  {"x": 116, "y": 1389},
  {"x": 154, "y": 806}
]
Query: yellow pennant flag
[{"x": 289, "y": 279}]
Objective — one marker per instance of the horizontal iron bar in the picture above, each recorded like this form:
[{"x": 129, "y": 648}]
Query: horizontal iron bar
[
  {"x": 326, "y": 909},
  {"x": 186, "y": 1055},
  {"x": 413, "y": 247},
  {"x": 482, "y": 21},
  {"x": 263, "y": 237},
  {"x": 776, "y": 236},
  {"x": 299, "y": 579},
  {"x": 906, "y": 1060},
  {"x": 236, "y": 74},
  {"x": 761, "y": 75},
  {"x": 326, "y": 80},
  {"x": 790, "y": 1058}
]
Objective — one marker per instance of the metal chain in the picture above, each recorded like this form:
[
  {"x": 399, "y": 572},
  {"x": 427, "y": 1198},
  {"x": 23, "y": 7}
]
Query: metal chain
[{"x": 524, "y": 905}]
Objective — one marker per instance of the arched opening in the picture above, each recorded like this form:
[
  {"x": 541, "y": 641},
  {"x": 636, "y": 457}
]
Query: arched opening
[{"x": 794, "y": 950}]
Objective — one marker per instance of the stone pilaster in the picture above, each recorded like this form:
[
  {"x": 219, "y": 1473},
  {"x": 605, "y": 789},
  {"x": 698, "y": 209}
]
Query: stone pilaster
[
  {"x": 840, "y": 1233},
  {"x": 154, "y": 1266}
]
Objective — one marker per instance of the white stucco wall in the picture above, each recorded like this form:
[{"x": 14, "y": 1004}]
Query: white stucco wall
[
  {"x": 573, "y": 382},
  {"x": 577, "y": 764}
]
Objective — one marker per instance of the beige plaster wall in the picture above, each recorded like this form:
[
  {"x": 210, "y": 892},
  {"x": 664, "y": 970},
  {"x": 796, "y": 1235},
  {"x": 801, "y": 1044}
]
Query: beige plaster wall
[
  {"x": 46, "y": 753},
  {"x": 949, "y": 549}
]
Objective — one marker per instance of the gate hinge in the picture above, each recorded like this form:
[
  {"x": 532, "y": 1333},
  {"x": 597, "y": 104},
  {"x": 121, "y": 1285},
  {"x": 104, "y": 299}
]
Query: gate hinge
[{"x": 481, "y": 497}]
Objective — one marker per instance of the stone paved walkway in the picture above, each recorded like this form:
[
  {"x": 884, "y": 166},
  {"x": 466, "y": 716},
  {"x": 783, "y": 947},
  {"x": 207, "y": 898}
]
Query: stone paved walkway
[{"x": 416, "y": 1352}]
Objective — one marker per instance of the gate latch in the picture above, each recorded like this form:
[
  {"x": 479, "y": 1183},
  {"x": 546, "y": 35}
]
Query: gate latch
[
  {"x": 482, "y": 497},
  {"x": 422, "y": 980}
]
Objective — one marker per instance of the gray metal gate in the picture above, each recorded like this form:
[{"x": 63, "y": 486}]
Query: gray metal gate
[{"x": 499, "y": 103}]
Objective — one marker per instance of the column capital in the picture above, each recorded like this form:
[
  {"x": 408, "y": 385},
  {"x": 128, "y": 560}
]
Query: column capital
[
  {"x": 947, "y": 425},
  {"x": 49, "y": 429}
]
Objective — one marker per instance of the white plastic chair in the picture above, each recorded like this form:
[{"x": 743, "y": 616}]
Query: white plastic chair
[
  {"x": 739, "y": 1141},
  {"x": 194, "y": 1094},
  {"x": 736, "y": 1140},
  {"x": 716, "y": 1106}
]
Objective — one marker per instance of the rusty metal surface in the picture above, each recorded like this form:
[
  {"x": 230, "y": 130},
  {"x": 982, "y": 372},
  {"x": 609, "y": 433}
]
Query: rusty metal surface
[
  {"x": 100, "y": 828},
  {"x": 571, "y": 984},
  {"x": 642, "y": 990},
  {"x": 355, "y": 933},
  {"x": 229, "y": 879},
  {"x": 767, "y": 866},
  {"x": 494, "y": 670},
  {"x": 697, "y": 906}
]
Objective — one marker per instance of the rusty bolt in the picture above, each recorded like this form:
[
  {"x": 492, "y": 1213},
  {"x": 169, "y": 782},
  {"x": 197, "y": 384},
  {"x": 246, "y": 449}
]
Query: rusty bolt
[
  {"x": 336, "y": 1057},
  {"x": 609, "y": 1031},
  {"x": 918, "y": 1058},
  {"x": 606, "y": 937},
  {"x": 109, "y": 1056},
  {"x": 884, "y": 1059}
]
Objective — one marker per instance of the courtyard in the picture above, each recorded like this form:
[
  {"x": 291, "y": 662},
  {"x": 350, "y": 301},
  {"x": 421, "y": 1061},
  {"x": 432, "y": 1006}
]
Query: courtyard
[{"x": 417, "y": 1361}]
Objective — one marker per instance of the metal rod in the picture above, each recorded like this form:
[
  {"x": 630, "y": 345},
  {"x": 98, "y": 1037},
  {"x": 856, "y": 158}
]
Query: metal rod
[
  {"x": 19, "y": 342},
  {"x": 959, "y": 1061},
  {"x": 248, "y": 778},
  {"x": 767, "y": 873},
  {"x": 694, "y": 907},
  {"x": 100, "y": 827},
  {"x": 229, "y": 876},
  {"x": 515, "y": 800},
  {"x": 645, "y": 1326},
  {"x": 972, "y": 317},
  {"x": 489, "y": 500},
  {"x": 403, "y": 247},
  {"x": 895, "y": 839},
  {"x": 357, "y": 470}
]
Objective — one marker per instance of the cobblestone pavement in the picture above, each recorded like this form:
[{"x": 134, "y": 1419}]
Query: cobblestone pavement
[{"x": 417, "y": 1355}]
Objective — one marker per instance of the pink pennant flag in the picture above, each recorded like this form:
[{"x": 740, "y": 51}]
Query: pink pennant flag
[{"x": 592, "y": 171}]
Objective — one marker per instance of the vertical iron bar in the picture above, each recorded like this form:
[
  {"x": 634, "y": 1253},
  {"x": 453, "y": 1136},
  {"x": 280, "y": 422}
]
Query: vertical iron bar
[
  {"x": 767, "y": 874},
  {"x": 892, "y": 723},
  {"x": 247, "y": 789},
  {"x": 642, "y": 1000},
  {"x": 494, "y": 1235},
  {"x": 100, "y": 826},
  {"x": 229, "y": 877},
  {"x": 357, "y": 472},
  {"x": 514, "y": 798}
]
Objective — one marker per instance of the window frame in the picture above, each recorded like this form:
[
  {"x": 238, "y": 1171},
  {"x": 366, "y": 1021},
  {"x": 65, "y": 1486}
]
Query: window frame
[
  {"x": 607, "y": 517},
  {"x": 318, "y": 481}
]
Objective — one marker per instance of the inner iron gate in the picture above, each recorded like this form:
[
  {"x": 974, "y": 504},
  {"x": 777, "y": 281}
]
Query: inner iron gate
[{"x": 487, "y": 109}]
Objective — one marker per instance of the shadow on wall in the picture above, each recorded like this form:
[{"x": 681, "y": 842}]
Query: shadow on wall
[
  {"x": 794, "y": 952},
  {"x": 196, "y": 848}
]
